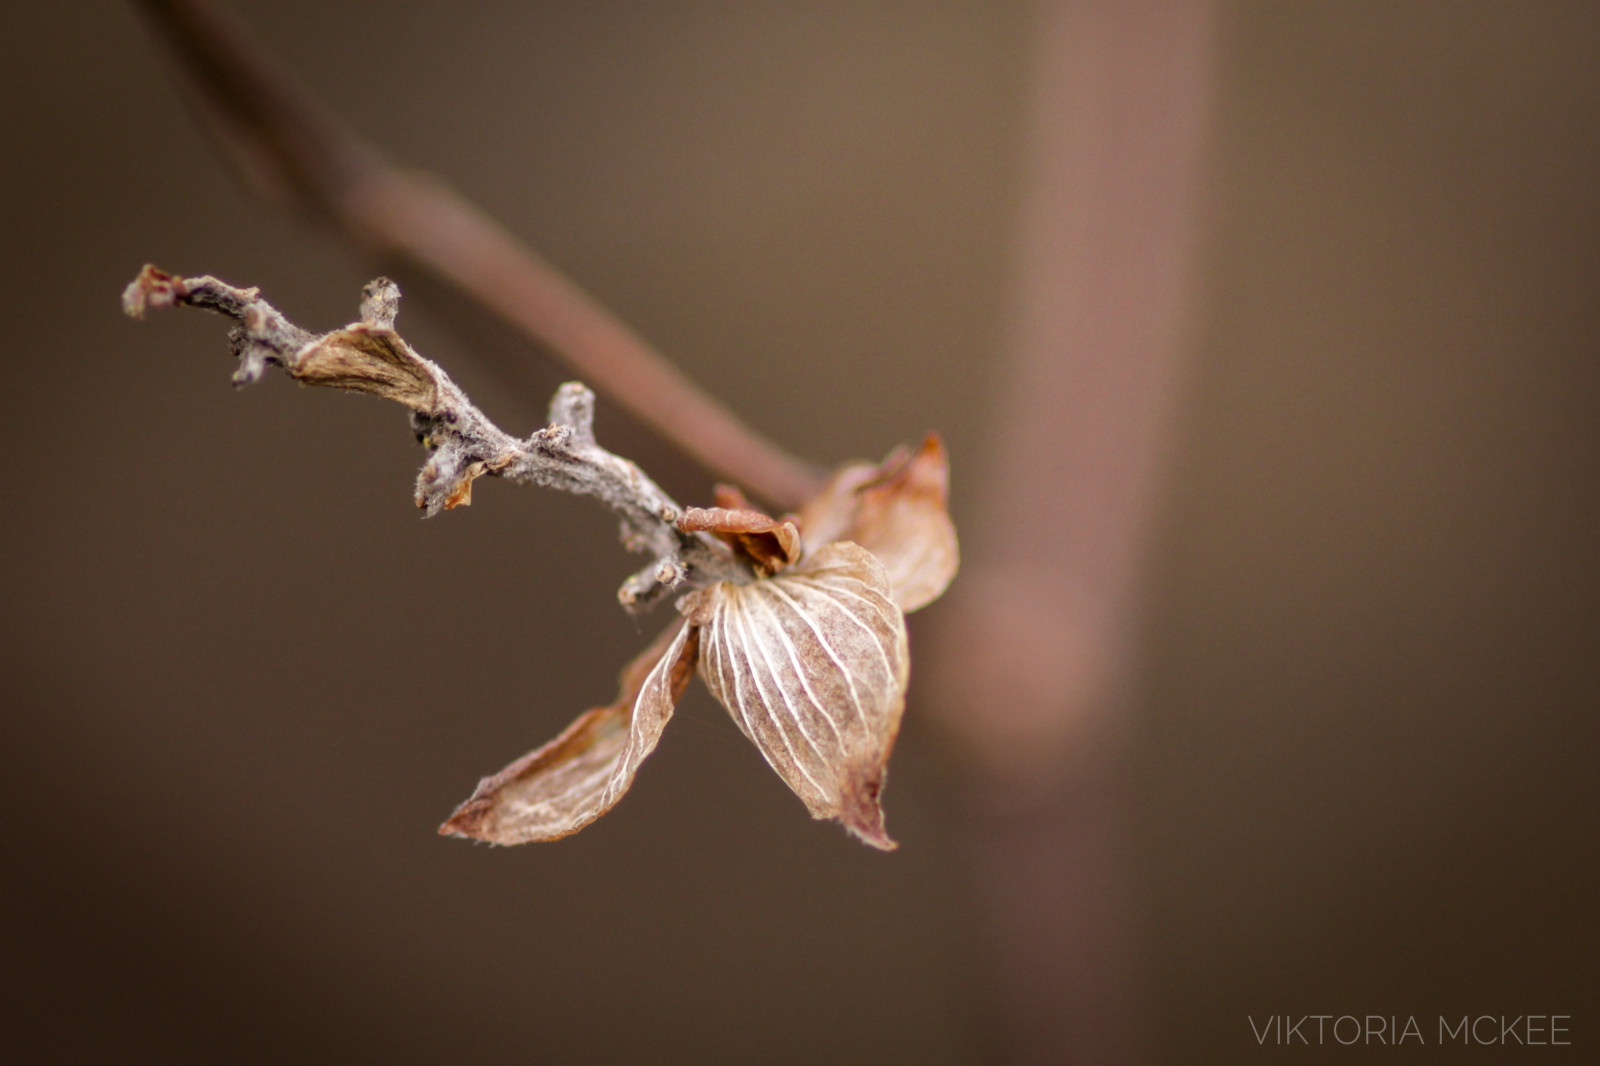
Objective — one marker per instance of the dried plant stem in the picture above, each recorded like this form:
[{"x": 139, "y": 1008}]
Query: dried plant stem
[
  {"x": 370, "y": 357},
  {"x": 286, "y": 145}
]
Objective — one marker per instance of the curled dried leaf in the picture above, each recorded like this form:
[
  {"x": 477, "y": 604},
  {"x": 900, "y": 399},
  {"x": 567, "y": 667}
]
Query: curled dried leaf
[
  {"x": 371, "y": 359},
  {"x": 448, "y": 477},
  {"x": 153, "y": 287},
  {"x": 812, "y": 665},
  {"x": 771, "y": 544},
  {"x": 899, "y": 512},
  {"x": 560, "y": 788}
]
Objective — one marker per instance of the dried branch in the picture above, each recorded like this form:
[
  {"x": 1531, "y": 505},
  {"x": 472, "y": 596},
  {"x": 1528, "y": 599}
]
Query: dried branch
[
  {"x": 805, "y": 646},
  {"x": 369, "y": 356},
  {"x": 285, "y": 144}
]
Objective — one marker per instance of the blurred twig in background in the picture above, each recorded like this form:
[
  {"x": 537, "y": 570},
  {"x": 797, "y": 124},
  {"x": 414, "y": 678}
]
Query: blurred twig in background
[{"x": 1035, "y": 655}]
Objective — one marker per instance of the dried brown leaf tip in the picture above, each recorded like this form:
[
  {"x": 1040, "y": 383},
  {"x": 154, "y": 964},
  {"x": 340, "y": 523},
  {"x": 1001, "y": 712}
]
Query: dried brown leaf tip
[
  {"x": 899, "y": 511},
  {"x": 808, "y": 655}
]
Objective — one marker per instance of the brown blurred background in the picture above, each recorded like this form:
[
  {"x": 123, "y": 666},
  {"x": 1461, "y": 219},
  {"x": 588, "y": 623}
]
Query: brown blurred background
[{"x": 243, "y": 682}]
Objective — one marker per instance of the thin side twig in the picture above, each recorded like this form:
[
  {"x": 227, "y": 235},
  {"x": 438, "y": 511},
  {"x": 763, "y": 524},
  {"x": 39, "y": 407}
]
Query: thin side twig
[
  {"x": 285, "y": 144},
  {"x": 369, "y": 356}
]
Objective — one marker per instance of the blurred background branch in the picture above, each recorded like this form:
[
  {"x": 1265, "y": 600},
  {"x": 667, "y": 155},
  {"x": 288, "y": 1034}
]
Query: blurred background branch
[{"x": 1031, "y": 671}]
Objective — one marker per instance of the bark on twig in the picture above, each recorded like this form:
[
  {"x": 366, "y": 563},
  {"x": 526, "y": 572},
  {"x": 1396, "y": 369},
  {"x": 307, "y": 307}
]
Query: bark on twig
[
  {"x": 369, "y": 356},
  {"x": 285, "y": 145}
]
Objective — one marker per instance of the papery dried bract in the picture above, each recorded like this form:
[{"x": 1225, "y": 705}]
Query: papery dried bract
[
  {"x": 899, "y": 512},
  {"x": 812, "y": 664},
  {"x": 771, "y": 544},
  {"x": 560, "y": 788},
  {"x": 369, "y": 359}
]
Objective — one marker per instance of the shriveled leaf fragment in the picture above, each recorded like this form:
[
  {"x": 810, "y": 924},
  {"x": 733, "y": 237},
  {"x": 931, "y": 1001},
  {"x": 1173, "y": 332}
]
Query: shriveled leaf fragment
[
  {"x": 899, "y": 512},
  {"x": 772, "y": 544},
  {"x": 369, "y": 359},
  {"x": 560, "y": 788},
  {"x": 461, "y": 494},
  {"x": 812, "y": 664},
  {"x": 446, "y": 479}
]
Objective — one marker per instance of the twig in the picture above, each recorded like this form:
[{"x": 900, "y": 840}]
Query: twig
[
  {"x": 369, "y": 356},
  {"x": 286, "y": 144}
]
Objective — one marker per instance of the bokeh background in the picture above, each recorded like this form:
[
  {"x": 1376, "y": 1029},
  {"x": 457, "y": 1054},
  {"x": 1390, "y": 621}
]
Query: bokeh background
[{"x": 242, "y": 682}]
